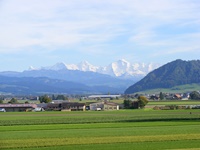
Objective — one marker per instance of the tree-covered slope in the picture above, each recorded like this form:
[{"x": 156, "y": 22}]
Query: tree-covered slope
[{"x": 175, "y": 73}]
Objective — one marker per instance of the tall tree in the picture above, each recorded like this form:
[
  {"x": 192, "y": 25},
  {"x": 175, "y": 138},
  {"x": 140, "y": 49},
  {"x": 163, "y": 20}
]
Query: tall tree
[
  {"x": 142, "y": 101},
  {"x": 60, "y": 97},
  {"x": 13, "y": 101},
  {"x": 161, "y": 96},
  {"x": 45, "y": 99},
  {"x": 195, "y": 95},
  {"x": 127, "y": 104}
]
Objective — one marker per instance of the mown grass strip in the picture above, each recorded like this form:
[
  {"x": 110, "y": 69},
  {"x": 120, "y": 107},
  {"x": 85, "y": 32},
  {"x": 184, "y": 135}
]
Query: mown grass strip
[
  {"x": 187, "y": 149},
  {"x": 26, "y": 143},
  {"x": 163, "y": 145},
  {"x": 95, "y": 125}
]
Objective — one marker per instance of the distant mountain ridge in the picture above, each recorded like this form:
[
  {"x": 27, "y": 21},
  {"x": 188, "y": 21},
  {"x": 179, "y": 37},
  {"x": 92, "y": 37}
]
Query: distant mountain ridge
[
  {"x": 88, "y": 82},
  {"x": 175, "y": 73},
  {"x": 114, "y": 78},
  {"x": 41, "y": 85},
  {"x": 120, "y": 69}
]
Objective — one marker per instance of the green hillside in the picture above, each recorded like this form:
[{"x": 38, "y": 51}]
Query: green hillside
[
  {"x": 176, "y": 89},
  {"x": 169, "y": 76}
]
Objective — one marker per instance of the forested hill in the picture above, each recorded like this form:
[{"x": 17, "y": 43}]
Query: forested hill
[{"x": 175, "y": 73}]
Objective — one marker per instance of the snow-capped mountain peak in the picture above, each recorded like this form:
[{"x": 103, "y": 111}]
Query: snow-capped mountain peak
[
  {"x": 56, "y": 67},
  {"x": 121, "y": 68},
  {"x": 86, "y": 66},
  {"x": 123, "y": 61},
  {"x": 31, "y": 68}
]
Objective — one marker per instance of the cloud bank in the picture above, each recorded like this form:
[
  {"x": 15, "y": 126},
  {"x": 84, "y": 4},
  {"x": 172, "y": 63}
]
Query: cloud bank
[{"x": 65, "y": 30}]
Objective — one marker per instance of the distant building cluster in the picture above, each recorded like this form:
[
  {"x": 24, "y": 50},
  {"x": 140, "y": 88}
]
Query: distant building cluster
[
  {"x": 98, "y": 102},
  {"x": 62, "y": 105}
]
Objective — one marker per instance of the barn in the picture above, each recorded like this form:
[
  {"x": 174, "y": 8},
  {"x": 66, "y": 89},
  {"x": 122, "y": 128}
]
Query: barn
[{"x": 18, "y": 107}]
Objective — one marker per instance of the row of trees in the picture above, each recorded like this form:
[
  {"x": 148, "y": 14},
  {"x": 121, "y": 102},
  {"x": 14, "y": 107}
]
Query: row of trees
[
  {"x": 140, "y": 103},
  {"x": 47, "y": 99},
  {"x": 59, "y": 97}
]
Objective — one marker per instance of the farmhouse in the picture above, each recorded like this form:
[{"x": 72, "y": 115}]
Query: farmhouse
[
  {"x": 177, "y": 96},
  {"x": 66, "y": 106},
  {"x": 104, "y": 106},
  {"x": 54, "y": 106},
  {"x": 110, "y": 106},
  {"x": 72, "y": 106},
  {"x": 17, "y": 107}
]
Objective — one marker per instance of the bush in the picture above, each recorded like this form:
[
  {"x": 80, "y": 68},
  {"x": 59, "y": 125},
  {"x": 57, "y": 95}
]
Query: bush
[
  {"x": 156, "y": 108},
  {"x": 142, "y": 101}
]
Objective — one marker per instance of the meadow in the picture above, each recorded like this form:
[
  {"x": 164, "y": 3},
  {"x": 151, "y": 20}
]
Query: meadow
[
  {"x": 174, "y": 102},
  {"x": 176, "y": 89},
  {"x": 102, "y": 130}
]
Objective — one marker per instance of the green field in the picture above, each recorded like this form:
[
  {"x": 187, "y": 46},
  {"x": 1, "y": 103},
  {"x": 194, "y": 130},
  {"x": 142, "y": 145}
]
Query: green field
[
  {"x": 104, "y": 130},
  {"x": 176, "y": 89},
  {"x": 174, "y": 102}
]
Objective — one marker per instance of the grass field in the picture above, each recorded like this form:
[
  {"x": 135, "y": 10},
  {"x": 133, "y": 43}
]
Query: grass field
[
  {"x": 124, "y": 129},
  {"x": 176, "y": 89},
  {"x": 174, "y": 102}
]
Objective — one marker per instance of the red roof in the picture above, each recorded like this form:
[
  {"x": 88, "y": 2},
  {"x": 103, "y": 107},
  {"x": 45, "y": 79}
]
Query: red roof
[{"x": 18, "y": 105}]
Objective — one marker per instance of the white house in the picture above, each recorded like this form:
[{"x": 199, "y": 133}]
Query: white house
[{"x": 104, "y": 106}]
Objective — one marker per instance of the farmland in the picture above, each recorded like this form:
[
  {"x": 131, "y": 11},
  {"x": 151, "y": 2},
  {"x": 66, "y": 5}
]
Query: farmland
[{"x": 124, "y": 129}]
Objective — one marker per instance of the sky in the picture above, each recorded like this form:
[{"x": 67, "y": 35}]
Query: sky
[{"x": 43, "y": 32}]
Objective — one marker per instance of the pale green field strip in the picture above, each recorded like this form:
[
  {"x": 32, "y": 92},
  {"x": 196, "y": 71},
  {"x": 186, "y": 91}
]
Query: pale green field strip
[
  {"x": 93, "y": 140},
  {"x": 99, "y": 130},
  {"x": 108, "y": 133},
  {"x": 187, "y": 149},
  {"x": 162, "y": 145},
  {"x": 189, "y": 102},
  {"x": 97, "y": 125},
  {"x": 197, "y": 102},
  {"x": 41, "y": 118}
]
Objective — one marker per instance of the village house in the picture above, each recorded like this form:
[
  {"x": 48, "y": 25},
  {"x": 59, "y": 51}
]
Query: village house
[
  {"x": 177, "y": 96},
  {"x": 54, "y": 107},
  {"x": 72, "y": 106},
  {"x": 104, "y": 106},
  {"x": 66, "y": 106}
]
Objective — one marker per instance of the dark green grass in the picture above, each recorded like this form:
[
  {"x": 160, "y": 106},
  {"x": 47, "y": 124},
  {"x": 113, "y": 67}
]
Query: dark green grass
[
  {"x": 139, "y": 130},
  {"x": 100, "y": 130}
]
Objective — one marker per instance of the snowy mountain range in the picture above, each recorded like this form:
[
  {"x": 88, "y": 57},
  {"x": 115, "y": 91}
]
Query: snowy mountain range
[
  {"x": 83, "y": 78},
  {"x": 120, "y": 69}
]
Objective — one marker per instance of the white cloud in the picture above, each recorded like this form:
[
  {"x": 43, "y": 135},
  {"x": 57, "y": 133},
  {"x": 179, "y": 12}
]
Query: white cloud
[{"x": 96, "y": 26}]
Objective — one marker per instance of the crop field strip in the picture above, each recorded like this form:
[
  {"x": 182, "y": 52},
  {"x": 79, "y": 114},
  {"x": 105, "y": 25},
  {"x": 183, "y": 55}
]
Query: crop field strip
[
  {"x": 40, "y": 118},
  {"x": 109, "y": 134},
  {"x": 120, "y": 133},
  {"x": 24, "y": 143}
]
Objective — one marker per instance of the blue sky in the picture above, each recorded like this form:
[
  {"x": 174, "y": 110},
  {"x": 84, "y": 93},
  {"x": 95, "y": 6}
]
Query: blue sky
[{"x": 43, "y": 32}]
